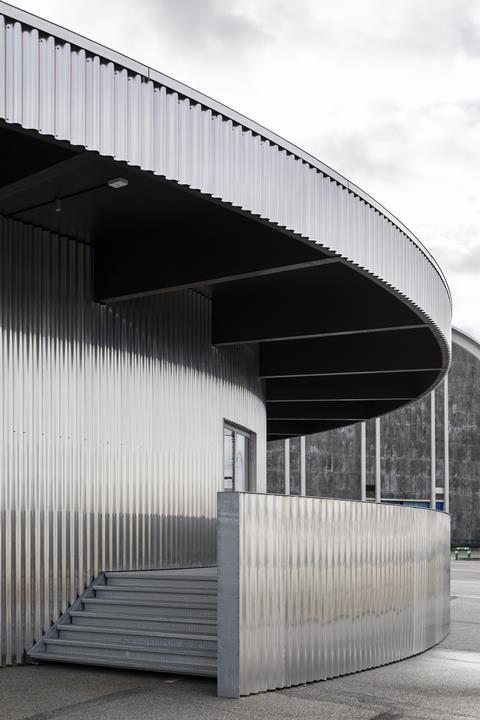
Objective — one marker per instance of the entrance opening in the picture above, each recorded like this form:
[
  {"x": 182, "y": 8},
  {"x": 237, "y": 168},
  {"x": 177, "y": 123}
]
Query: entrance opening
[{"x": 238, "y": 458}]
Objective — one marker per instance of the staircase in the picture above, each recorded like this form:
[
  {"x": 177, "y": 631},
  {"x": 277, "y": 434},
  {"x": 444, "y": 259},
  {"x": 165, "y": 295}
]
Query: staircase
[{"x": 161, "y": 620}]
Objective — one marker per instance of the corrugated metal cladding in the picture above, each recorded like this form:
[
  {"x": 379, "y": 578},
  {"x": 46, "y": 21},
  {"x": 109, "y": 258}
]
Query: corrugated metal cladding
[
  {"x": 60, "y": 89},
  {"x": 111, "y": 422},
  {"x": 328, "y": 587}
]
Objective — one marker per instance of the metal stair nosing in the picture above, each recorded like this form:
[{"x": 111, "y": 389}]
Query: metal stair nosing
[
  {"x": 171, "y": 667},
  {"x": 152, "y": 593},
  {"x": 75, "y": 612},
  {"x": 169, "y": 576},
  {"x": 123, "y": 633}
]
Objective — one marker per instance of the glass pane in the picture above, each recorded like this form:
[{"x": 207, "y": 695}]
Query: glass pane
[
  {"x": 228, "y": 441},
  {"x": 241, "y": 462}
]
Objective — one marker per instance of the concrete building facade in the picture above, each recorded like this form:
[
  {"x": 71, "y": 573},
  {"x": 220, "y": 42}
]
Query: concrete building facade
[{"x": 411, "y": 456}]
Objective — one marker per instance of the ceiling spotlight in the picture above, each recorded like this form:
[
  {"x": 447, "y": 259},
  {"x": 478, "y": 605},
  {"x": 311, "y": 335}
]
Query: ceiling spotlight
[
  {"x": 58, "y": 205},
  {"x": 117, "y": 183}
]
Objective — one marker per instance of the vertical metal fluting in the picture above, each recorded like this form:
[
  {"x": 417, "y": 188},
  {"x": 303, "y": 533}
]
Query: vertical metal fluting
[
  {"x": 446, "y": 445},
  {"x": 111, "y": 422},
  {"x": 378, "y": 476},
  {"x": 315, "y": 588},
  {"x": 70, "y": 90},
  {"x": 433, "y": 462}
]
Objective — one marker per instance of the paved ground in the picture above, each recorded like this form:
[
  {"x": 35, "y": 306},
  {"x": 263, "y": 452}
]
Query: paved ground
[{"x": 441, "y": 684}]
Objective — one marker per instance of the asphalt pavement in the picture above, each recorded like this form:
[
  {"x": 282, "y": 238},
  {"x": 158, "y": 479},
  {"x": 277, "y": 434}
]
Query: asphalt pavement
[{"x": 440, "y": 684}]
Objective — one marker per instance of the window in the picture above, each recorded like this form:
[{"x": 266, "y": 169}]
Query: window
[{"x": 238, "y": 458}]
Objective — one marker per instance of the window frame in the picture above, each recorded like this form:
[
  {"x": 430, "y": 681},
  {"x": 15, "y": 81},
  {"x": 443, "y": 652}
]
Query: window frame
[{"x": 252, "y": 455}]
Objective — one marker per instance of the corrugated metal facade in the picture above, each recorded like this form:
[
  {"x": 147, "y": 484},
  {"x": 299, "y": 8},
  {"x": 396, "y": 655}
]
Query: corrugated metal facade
[
  {"x": 79, "y": 96},
  {"x": 326, "y": 587},
  {"x": 111, "y": 422}
]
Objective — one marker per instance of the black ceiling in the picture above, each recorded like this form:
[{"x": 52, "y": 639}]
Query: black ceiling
[{"x": 268, "y": 286}]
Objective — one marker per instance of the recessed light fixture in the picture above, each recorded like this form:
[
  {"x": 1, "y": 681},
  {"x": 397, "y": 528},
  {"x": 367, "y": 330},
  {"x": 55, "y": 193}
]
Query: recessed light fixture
[{"x": 117, "y": 183}]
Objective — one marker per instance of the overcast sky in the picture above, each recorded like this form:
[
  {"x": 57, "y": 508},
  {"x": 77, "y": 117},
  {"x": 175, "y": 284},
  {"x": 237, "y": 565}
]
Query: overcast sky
[{"x": 385, "y": 91}]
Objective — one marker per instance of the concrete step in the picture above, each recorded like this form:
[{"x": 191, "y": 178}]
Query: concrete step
[
  {"x": 131, "y": 622},
  {"x": 152, "y": 592},
  {"x": 139, "y": 638},
  {"x": 118, "y": 651},
  {"x": 170, "y": 667},
  {"x": 159, "y": 609}
]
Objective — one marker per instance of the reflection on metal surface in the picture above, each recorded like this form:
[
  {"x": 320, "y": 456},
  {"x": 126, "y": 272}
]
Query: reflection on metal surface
[
  {"x": 239, "y": 458},
  {"x": 72, "y": 92},
  {"x": 111, "y": 422},
  {"x": 313, "y": 588}
]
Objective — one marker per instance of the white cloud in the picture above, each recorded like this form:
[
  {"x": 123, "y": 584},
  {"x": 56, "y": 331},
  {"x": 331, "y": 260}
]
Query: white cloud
[{"x": 386, "y": 93}]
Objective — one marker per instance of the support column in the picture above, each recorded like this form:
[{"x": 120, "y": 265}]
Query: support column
[
  {"x": 446, "y": 476},
  {"x": 363, "y": 461},
  {"x": 378, "y": 481},
  {"x": 287, "y": 467},
  {"x": 303, "y": 467},
  {"x": 433, "y": 461}
]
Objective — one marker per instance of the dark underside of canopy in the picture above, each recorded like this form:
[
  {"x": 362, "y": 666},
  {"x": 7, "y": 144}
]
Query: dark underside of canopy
[{"x": 335, "y": 345}]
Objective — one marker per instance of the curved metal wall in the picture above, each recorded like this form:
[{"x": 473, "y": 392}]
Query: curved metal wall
[
  {"x": 111, "y": 430},
  {"x": 104, "y": 102},
  {"x": 314, "y": 588}
]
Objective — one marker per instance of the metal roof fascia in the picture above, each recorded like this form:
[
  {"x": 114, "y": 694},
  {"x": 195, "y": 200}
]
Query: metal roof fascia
[{"x": 217, "y": 107}]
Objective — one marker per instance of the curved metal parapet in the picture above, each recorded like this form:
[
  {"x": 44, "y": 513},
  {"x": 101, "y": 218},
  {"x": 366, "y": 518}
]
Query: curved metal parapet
[
  {"x": 376, "y": 276},
  {"x": 316, "y": 588}
]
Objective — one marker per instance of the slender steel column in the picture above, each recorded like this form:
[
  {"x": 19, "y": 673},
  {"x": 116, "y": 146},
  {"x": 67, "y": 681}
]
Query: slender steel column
[
  {"x": 363, "y": 461},
  {"x": 433, "y": 462},
  {"x": 287, "y": 467},
  {"x": 446, "y": 476},
  {"x": 303, "y": 467},
  {"x": 378, "y": 481}
]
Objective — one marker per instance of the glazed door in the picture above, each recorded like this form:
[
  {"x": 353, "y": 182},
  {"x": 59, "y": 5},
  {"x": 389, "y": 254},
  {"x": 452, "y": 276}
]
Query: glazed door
[{"x": 238, "y": 460}]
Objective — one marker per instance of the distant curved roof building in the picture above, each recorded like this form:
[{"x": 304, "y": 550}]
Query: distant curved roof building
[{"x": 401, "y": 466}]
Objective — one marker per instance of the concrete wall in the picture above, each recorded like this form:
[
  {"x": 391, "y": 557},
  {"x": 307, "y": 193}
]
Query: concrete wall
[
  {"x": 276, "y": 466},
  {"x": 464, "y": 407},
  {"x": 332, "y": 464},
  {"x": 405, "y": 452},
  {"x": 333, "y": 458}
]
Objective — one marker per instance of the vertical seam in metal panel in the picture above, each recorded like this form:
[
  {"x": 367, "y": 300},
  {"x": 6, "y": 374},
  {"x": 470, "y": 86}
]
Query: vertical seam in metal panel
[{"x": 446, "y": 433}]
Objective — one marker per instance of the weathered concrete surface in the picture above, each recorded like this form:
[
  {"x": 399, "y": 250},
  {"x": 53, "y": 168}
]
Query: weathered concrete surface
[
  {"x": 441, "y": 684},
  {"x": 276, "y": 467},
  {"x": 405, "y": 452},
  {"x": 332, "y": 464},
  {"x": 333, "y": 457},
  {"x": 464, "y": 405}
]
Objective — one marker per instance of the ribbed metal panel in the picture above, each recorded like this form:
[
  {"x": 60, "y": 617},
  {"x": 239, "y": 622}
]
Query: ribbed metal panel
[
  {"x": 111, "y": 423},
  {"x": 325, "y": 587},
  {"x": 96, "y": 99}
]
